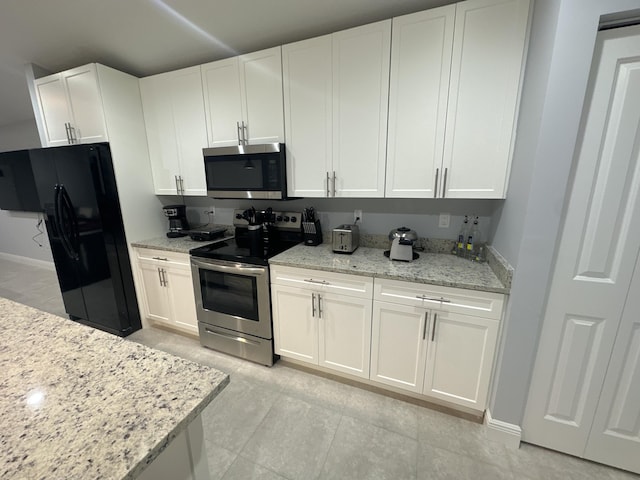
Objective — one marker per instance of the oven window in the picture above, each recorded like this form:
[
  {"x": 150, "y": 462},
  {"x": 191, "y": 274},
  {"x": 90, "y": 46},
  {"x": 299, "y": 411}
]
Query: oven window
[{"x": 230, "y": 294}]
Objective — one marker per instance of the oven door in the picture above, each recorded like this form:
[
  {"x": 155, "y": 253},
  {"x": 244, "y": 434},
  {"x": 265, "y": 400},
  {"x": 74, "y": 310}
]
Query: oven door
[{"x": 233, "y": 295}]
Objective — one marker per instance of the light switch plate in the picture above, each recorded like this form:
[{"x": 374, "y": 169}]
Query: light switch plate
[{"x": 444, "y": 220}]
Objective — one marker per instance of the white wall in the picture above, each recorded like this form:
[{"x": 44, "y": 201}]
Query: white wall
[
  {"x": 528, "y": 225},
  {"x": 17, "y": 229}
]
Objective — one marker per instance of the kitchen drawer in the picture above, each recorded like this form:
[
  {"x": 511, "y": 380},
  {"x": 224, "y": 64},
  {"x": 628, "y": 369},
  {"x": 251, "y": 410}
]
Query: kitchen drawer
[
  {"x": 344, "y": 284},
  {"x": 150, "y": 254},
  {"x": 455, "y": 300}
]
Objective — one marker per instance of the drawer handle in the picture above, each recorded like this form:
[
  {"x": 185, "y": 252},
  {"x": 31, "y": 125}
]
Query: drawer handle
[
  {"x": 160, "y": 258},
  {"x": 441, "y": 299},
  {"x": 319, "y": 282}
]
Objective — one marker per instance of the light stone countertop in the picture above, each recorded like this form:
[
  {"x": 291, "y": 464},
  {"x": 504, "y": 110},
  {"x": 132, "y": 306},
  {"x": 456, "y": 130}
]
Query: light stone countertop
[
  {"x": 79, "y": 403},
  {"x": 432, "y": 268}
]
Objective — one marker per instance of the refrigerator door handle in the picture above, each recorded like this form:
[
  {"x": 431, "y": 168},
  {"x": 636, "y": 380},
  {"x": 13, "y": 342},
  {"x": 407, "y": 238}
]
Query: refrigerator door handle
[
  {"x": 74, "y": 241},
  {"x": 57, "y": 218}
]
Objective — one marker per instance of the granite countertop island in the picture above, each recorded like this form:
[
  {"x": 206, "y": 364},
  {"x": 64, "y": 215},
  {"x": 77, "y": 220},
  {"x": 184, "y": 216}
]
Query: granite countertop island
[
  {"x": 432, "y": 268},
  {"x": 78, "y": 403}
]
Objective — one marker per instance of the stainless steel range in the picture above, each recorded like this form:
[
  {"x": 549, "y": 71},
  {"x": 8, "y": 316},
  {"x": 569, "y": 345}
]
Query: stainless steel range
[{"x": 231, "y": 282}]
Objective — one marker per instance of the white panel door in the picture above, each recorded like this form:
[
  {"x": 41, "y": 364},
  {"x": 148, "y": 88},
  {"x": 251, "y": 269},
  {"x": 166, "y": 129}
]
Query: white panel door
[
  {"x": 595, "y": 262},
  {"x": 221, "y": 83},
  {"x": 181, "y": 297},
  {"x": 85, "y": 104},
  {"x": 344, "y": 333},
  {"x": 420, "y": 64},
  {"x": 295, "y": 328},
  {"x": 399, "y": 345},
  {"x": 488, "y": 50},
  {"x": 53, "y": 105},
  {"x": 307, "y": 83},
  {"x": 361, "y": 59},
  {"x": 460, "y": 358},
  {"x": 615, "y": 435},
  {"x": 262, "y": 104}
]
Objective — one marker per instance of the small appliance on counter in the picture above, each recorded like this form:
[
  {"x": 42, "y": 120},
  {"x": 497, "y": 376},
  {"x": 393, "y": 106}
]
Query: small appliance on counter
[
  {"x": 206, "y": 233},
  {"x": 402, "y": 240},
  {"x": 345, "y": 238},
  {"x": 312, "y": 232},
  {"x": 178, "y": 224}
]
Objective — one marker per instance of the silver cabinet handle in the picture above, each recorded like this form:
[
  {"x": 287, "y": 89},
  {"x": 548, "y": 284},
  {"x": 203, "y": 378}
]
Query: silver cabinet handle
[
  {"x": 161, "y": 258},
  {"x": 334, "y": 183},
  {"x": 164, "y": 277},
  {"x": 160, "y": 276},
  {"x": 239, "y": 134},
  {"x": 433, "y": 331},
  {"x": 320, "y": 282},
  {"x": 175, "y": 178},
  {"x": 426, "y": 320},
  {"x": 328, "y": 192},
  {"x": 444, "y": 183},
  {"x": 441, "y": 299},
  {"x": 66, "y": 129},
  {"x": 72, "y": 131},
  {"x": 319, "y": 306},
  {"x": 435, "y": 185},
  {"x": 181, "y": 180},
  {"x": 313, "y": 304},
  {"x": 245, "y": 134}
]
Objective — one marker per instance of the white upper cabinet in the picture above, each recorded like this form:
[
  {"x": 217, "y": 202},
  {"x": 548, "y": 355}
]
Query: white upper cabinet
[
  {"x": 70, "y": 105},
  {"x": 243, "y": 99},
  {"x": 176, "y": 131},
  {"x": 336, "y": 92},
  {"x": 421, "y": 49},
  {"x": 488, "y": 50},
  {"x": 308, "y": 100},
  {"x": 360, "y": 107}
]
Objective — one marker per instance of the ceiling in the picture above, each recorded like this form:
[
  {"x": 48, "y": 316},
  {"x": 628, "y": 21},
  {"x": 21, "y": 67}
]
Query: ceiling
[{"x": 144, "y": 37}]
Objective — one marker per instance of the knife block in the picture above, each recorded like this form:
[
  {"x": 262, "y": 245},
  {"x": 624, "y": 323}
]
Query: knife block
[{"x": 312, "y": 233}]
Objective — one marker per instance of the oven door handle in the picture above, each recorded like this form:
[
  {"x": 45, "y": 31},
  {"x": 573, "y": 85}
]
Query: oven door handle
[{"x": 228, "y": 268}]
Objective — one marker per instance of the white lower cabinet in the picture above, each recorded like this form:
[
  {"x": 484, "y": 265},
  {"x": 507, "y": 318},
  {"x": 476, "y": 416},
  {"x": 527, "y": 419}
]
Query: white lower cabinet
[
  {"x": 422, "y": 343},
  {"x": 322, "y": 318},
  {"x": 167, "y": 289}
]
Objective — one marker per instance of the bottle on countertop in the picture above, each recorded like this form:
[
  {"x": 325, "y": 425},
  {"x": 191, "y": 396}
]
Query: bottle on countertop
[
  {"x": 462, "y": 235},
  {"x": 473, "y": 240}
]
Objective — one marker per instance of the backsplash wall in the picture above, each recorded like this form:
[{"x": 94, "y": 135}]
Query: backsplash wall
[{"x": 380, "y": 215}]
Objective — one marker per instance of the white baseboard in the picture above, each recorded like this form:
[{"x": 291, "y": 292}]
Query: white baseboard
[
  {"x": 506, "y": 433},
  {"x": 28, "y": 261}
]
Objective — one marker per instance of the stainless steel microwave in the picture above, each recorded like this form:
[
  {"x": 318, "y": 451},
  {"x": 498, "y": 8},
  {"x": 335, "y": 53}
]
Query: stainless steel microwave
[{"x": 246, "y": 171}]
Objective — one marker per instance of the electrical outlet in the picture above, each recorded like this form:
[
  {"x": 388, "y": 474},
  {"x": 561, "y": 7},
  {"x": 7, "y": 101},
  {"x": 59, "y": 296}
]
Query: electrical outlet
[
  {"x": 357, "y": 215},
  {"x": 444, "y": 220}
]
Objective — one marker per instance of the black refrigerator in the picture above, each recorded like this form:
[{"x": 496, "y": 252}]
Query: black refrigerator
[{"x": 77, "y": 191}]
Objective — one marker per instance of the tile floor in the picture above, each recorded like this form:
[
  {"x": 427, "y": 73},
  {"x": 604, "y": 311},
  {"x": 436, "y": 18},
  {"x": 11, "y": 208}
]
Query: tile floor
[{"x": 281, "y": 423}]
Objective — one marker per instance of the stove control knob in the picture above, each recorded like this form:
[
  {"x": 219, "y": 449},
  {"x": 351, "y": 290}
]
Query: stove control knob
[
  {"x": 279, "y": 218},
  {"x": 294, "y": 219},
  {"x": 286, "y": 218}
]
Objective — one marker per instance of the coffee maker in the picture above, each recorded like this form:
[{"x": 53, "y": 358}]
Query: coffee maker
[{"x": 178, "y": 225}]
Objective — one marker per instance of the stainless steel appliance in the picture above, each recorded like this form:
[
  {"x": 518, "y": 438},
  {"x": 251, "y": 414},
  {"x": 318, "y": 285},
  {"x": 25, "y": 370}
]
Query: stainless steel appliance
[
  {"x": 345, "y": 238},
  {"x": 231, "y": 282},
  {"x": 178, "y": 224},
  {"x": 403, "y": 240},
  {"x": 246, "y": 171}
]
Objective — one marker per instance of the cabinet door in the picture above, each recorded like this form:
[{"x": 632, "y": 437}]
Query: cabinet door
[
  {"x": 488, "y": 50},
  {"x": 460, "y": 359},
  {"x": 262, "y": 104},
  {"x": 345, "y": 333},
  {"x": 54, "y": 109},
  {"x": 181, "y": 298},
  {"x": 176, "y": 130},
  {"x": 85, "y": 104},
  {"x": 295, "y": 329},
  {"x": 399, "y": 345},
  {"x": 156, "y": 302},
  {"x": 307, "y": 81},
  {"x": 420, "y": 64},
  {"x": 360, "y": 105},
  {"x": 223, "y": 107}
]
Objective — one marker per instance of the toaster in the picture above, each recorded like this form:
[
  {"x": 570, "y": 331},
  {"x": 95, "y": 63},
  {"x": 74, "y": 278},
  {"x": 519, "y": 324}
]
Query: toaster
[{"x": 345, "y": 238}]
